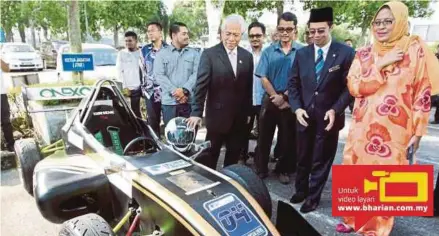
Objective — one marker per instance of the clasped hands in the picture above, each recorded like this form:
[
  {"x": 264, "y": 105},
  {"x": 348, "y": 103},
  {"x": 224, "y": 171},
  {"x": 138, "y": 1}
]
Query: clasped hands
[
  {"x": 179, "y": 95},
  {"x": 279, "y": 101}
]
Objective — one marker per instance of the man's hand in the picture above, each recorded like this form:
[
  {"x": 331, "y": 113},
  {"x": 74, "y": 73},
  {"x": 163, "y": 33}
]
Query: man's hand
[
  {"x": 284, "y": 105},
  {"x": 300, "y": 114},
  {"x": 277, "y": 99},
  {"x": 415, "y": 140},
  {"x": 331, "y": 116},
  {"x": 127, "y": 92},
  {"x": 182, "y": 100},
  {"x": 178, "y": 93},
  {"x": 193, "y": 121}
]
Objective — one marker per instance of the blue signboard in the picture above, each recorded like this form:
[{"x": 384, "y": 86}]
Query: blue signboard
[
  {"x": 77, "y": 62},
  {"x": 2, "y": 36}
]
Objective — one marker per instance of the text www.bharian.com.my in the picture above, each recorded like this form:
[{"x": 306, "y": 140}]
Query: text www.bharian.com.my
[{"x": 383, "y": 208}]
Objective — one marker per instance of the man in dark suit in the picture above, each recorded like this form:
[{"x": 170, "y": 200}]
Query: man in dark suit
[
  {"x": 319, "y": 96},
  {"x": 225, "y": 74}
]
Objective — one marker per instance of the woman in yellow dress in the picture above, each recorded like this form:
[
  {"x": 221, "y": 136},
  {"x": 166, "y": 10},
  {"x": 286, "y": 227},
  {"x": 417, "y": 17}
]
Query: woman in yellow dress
[{"x": 392, "y": 82}]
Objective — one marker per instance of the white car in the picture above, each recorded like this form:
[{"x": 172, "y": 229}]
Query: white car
[
  {"x": 21, "y": 56},
  {"x": 104, "y": 58}
]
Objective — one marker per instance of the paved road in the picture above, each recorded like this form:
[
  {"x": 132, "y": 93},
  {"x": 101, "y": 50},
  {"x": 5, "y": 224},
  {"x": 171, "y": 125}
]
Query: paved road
[{"x": 20, "y": 215}]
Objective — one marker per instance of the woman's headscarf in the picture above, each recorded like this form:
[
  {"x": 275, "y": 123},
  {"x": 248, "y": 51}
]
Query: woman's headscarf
[{"x": 399, "y": 37}]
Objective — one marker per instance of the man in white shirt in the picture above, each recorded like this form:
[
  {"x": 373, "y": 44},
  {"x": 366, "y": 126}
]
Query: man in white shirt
[
  {"x": 129, "y": 71},
  {"x": 5, "y": 112}
]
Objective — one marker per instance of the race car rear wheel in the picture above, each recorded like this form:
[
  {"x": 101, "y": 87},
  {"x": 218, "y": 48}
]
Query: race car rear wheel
[
  {"x": 28, "y": 155},
  {"x": 252, "y": 183},
  {"x": 86, "y": 225}
]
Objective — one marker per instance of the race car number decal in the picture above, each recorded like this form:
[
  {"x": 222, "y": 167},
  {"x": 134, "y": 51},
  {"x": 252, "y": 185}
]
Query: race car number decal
[{"x": 234, "y": 217}]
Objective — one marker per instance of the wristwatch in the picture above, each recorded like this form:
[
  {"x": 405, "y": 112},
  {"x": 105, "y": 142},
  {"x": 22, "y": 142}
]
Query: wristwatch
[{"x": 186, "y": 92}]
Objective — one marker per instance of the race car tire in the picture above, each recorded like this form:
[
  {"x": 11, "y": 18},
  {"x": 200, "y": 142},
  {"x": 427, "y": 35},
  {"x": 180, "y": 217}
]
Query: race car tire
[
  {"x": 28, "y": 155},
  {"x": 86, "y": 225},
  {"x": 252, "y": 183}
]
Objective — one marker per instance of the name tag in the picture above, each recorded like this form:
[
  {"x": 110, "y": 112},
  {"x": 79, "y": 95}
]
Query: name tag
[{"x": 334, "y": 68}]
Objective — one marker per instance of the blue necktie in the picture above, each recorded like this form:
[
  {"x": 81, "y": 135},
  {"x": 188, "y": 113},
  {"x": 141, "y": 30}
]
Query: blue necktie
[{"x": 319, "y": 64}]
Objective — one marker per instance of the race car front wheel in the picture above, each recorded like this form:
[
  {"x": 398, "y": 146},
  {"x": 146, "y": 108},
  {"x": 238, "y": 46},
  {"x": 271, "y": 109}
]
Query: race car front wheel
[
  {"x": 86, "y": 225},
  {"x": 28, "y": 155},
  {"x": 252, "y": 183}
]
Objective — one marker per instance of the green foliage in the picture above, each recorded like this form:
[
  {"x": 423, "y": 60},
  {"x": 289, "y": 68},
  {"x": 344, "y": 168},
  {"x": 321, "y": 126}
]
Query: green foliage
[
  {"x": 193, "y": 14},
  {"x": 126, "y": 14},
  {"x": 360, "y": 13},
  {"x": 255, "y": 8},
  {"x": 10, "y": 13}
]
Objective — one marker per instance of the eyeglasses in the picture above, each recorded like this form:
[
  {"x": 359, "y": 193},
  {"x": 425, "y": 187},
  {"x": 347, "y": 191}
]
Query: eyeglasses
[
  {"x": 282, "y": 29},
  {"x": 319, "y": 31},
  {"x": 255, "y": 36},
  {"x": 385, "y": 22}
]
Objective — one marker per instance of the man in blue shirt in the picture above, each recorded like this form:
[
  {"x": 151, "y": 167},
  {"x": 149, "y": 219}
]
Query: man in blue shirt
[
  {"x": 273, "y": 69},
  {"x": 149, "y": 51},
  {"x": 175, "y": 69}
]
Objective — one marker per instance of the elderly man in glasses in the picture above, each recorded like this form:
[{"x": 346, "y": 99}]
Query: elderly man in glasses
[{"x": 273, "y": 69}]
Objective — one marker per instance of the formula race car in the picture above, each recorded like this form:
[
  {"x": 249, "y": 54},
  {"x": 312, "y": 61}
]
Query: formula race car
[{"x": 114, "y": 176}]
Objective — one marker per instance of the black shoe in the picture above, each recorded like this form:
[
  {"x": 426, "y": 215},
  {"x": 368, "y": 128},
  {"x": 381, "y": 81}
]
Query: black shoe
[
  {"x": 435, "y": 122},
  {"x": 308, "y": 206},
  {"x": 297, "y": 198}
]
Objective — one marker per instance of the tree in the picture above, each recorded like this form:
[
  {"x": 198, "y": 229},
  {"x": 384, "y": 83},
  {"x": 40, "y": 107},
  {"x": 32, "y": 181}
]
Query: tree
[
  {"x": 117, "y": 15},
  {"x": 10, "y": 12},
  {"x": 360, "y": 13},
  {"x": 74, "y": 34},
  {"x": 193, "y": 14},
  {"x": 252, "y": 9},
  {"x": 50, "y": 16}
]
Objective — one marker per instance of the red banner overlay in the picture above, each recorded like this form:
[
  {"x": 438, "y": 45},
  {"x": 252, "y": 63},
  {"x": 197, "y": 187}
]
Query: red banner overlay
[{"x": 364, "y": 191}]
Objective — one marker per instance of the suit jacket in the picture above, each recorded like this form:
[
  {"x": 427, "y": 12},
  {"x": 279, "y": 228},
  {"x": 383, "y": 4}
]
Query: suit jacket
[
  {"x": 330, "y": 92},
  {"x": 229, "y": 98}
]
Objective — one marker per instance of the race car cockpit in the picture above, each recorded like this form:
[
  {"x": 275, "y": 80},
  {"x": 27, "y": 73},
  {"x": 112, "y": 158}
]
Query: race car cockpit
[{"x": 109, "y": 119}]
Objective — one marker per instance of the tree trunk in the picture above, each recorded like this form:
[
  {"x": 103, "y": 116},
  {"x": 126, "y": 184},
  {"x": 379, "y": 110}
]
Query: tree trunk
[
  {"x": 365, "y": 36},
  {"x": 22, "y": 33},
  {"x": 32, "y": 30},
  {"x": 9, "y": 35},
  {"x": 45, "y": 33},
  {"x": 75, "y": 35},
  {"x": 116, "y": 36},
  {"x": 280, "y": 8},
  {"x": 214, "y": 13}
]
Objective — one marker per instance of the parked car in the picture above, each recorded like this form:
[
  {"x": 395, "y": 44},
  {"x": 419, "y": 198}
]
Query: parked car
[
  {"x": 104, "y": 58},
  {"x": 21, "y": 56},
  {"x": 49, "y": 52}
]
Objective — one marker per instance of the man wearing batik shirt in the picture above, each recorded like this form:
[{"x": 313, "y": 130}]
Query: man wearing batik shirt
[{"x": 149, "y": 51}]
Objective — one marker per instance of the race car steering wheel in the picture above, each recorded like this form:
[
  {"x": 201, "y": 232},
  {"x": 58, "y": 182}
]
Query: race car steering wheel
[{"x": 141, "y": 138}]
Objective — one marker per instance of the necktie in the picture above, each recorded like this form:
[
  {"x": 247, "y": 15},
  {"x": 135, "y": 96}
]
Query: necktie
[
  {"x": 319, "y": 64},
  {"x": 232, "y": 58}
]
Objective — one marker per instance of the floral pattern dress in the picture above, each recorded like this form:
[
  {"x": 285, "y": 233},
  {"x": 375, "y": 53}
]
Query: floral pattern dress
[{"x": 391, "y": 106}]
